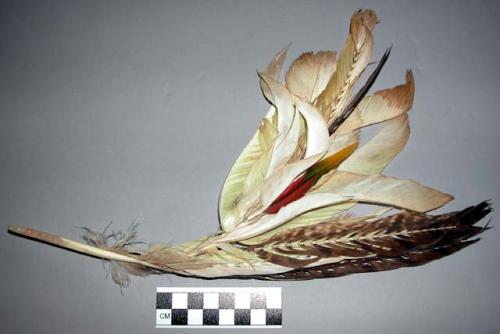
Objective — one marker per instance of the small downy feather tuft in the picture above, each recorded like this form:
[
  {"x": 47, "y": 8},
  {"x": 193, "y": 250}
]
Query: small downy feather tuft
[{"x": 121, "y": 241}]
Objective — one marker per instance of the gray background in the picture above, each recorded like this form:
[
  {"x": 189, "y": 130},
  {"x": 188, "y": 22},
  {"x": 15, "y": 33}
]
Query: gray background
[{"x": 115, "y": 110}]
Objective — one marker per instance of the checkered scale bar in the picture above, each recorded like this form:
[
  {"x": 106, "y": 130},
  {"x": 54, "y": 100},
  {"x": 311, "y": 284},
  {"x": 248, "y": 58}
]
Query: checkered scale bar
[{"x": 218, "y": 307}]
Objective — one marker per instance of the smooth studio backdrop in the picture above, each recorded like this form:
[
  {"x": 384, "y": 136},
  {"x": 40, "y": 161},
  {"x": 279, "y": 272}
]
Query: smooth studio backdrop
[{"x": 122, "y": 110}]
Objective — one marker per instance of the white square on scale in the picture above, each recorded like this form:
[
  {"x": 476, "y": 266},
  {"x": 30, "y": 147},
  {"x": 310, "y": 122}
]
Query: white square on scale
[
  {"x": 257, "y": 317},
  {"x": 210, "y": 300},
  {"x": 226, "y": 317},
  {"x": 179, "y": 300},
  {"x": 195, "y": 317},
  {"x": 163, "y": 317},
  {"x": 242, "y": 300},
  {"x": 273, "y": 298}
]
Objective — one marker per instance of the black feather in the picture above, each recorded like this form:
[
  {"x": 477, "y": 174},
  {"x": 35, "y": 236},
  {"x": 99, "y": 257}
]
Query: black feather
[{"x": 360, "y": 95}]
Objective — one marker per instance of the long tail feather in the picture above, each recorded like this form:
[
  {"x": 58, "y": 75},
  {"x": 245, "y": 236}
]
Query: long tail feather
[
  {"x": 391, "y": 237},
  {"x": 373, "y": 264}
]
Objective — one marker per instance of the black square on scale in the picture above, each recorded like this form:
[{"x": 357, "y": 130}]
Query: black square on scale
[
  {"x": 195, "y": 300},
  {"x": 257, "y": 300},
  {"x": 163, "y": 300},
  {"x": 241, "y": 317},
  {"x": 210, "y": 317},
  {"x": 226, "y": 300},
  {"x": 273, "y": 317},
  {"x": 179, "y": 316}
]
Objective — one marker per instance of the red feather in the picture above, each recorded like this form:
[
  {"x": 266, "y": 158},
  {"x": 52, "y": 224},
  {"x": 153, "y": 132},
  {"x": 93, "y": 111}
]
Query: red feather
[{"x": 301, "y": 185}]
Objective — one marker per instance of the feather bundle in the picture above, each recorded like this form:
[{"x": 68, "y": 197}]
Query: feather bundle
[{"x": 286, "y": 206}]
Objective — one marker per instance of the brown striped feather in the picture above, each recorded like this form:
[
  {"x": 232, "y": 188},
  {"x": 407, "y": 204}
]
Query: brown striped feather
[{"x": 397, "y": 235}]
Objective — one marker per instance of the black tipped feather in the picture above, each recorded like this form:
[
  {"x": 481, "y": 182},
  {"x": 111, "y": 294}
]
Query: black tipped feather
[
  {"x": 401, "y": 240},
  {"x": 373, "y": 264},
  {"x": 360, "y": 95}
]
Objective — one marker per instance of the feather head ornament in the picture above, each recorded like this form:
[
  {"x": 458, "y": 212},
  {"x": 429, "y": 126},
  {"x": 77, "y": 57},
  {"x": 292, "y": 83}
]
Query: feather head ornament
[{"x": 286, "y": 208}]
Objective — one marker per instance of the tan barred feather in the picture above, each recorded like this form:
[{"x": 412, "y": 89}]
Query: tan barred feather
[{"x": 407, "y": 238}]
